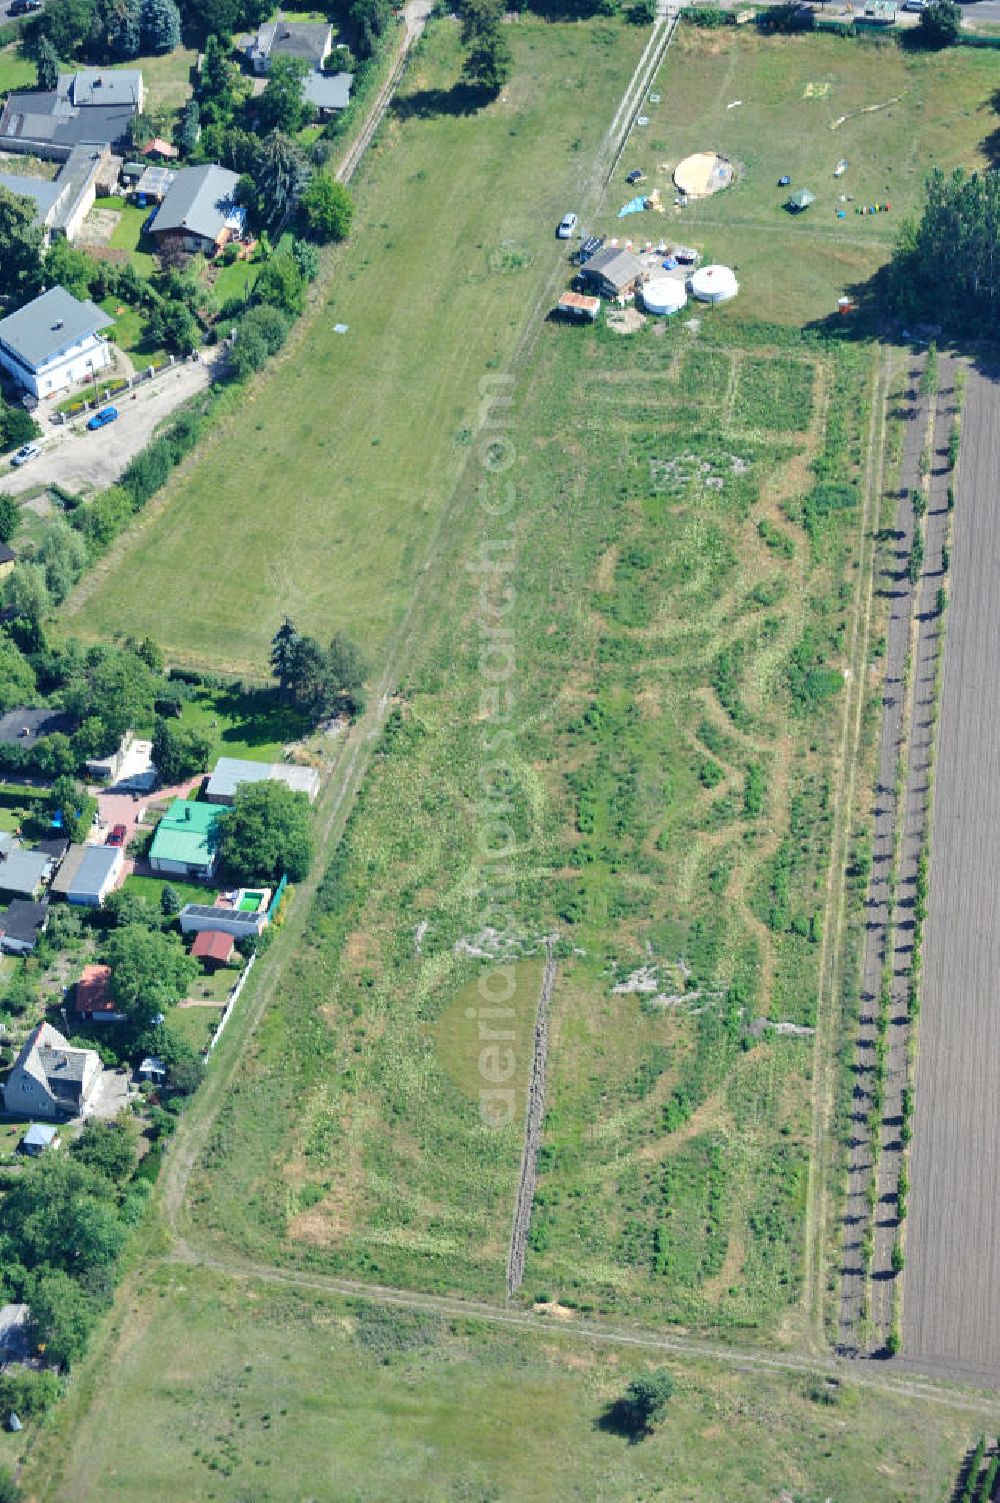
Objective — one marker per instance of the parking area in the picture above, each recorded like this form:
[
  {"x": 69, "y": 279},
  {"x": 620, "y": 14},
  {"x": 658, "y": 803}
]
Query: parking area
[{"x": 85, "y": 462}]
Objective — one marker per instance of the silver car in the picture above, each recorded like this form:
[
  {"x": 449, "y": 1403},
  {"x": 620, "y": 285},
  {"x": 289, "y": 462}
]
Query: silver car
[
  {"x": 26, "y": 452},
  {"x": 567, "y": 227}
]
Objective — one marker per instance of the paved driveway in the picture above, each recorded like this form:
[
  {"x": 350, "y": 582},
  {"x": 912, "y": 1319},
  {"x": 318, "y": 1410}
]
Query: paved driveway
[{"x": 85, "y": 462}]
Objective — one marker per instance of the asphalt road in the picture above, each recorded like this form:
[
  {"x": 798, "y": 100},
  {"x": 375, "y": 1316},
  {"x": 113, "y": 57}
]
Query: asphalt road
[{"x": 951, "y": 1312}]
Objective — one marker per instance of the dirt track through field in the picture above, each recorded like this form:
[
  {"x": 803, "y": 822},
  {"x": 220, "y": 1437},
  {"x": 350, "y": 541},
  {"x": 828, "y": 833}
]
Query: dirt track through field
[
  {"x": 534, "y": 1116},
  {"x": 951, "y": 1309}
]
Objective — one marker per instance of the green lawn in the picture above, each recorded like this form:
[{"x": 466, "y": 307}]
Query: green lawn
[
  {"x": 228, "y": 1391},
  {"x": 128, "y": 332},
  {"x": 152, "y": 888},
  {"x": 254, "y": 725},
  {"x": 127, "y": 234},
  {"x": 15, "y": 73},
  {"x": 167, "y": 79},
  {"x": 357, "y": 441},
  {"x": 195, "y": 1024},
  {"x": 794, "y": 269}
]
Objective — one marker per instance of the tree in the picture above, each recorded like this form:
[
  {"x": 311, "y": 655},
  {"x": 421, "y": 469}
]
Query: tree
[
  {"x": 20, "y": 247},
  {"x": 75, "y": 805},
  {"x": 215, "y": 89},
  {"x": 346, "y": 674},
  {"x": 282, "y": 646},
  {"x": 174, "y": 326},
  {"x": 281, "y": 106},
  {"x": 108, "y": 1147},
  {"x": 46, "y": 65},
  {"x": 961, "y": 222},
  {"x": 260, "y": 333},
  {"x": 307, "y": 676},
  {"x": 170, "y": 901},
  {"x": 62, "y": 1315},
  {"x": 62, "y": 1213},
  {"x": 327, "y": 208},
  {"x": 17, "y": 427},
  {"x": 267, "y": 833},
  {"x": 644, "y": 1403},
  {"x": 150, "y": 972},
  {"x": 10, "y": 516},
  {"x": 480, "y": 18},
  {"x": 179, "y": 752},
  {"x": 63, "y": 555},
  {"x": 306, "y": 259},
  {"x": 372, "y": 19},
  {"x": 940, "y": 24},
  {"x": 280, "y": 284},
  {"x": 69, "y": 267},
  {"x": 121, "y": 26},
  {"x": 17, "y": 677},
  {"x": 116, "y": 689},
  {"x": 189, "y": 128},
  {"x": 281, "y": 175},
  {"x": 9, "y": 1490},
  {"x": 160, "y": 25},
  {"x": 489, "y": 63},
  {"x": 26, "y": 592},
  {"x": 67, "y": 26}
]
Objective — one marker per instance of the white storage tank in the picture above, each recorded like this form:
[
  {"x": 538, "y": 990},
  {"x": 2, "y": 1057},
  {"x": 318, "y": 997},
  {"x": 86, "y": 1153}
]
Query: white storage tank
[
  {"x": 714, "y": 284},
  {"x": 664, "y": 295}
]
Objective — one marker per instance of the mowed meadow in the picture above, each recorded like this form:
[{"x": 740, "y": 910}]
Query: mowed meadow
[
  {"x": 320, "y": 496},
  {"x": 235, "y": 1390},
  {"x": 687, "y": 520}
]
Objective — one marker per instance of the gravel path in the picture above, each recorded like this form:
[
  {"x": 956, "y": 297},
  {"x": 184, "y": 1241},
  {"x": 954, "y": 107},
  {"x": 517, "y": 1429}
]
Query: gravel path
[
  {"x": 894, "y": 584},
  {"x": 951, "y": 1318}
]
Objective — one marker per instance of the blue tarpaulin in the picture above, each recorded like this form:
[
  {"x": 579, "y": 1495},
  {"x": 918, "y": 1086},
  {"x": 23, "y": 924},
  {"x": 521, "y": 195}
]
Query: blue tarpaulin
[
  {"x": 671, "y": 263},
  {"x": 634, "y": 206}
]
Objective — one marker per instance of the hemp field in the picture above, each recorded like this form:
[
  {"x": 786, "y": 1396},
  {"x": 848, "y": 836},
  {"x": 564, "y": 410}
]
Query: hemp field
[
  {"x": 687, "y": 522},
  {"x": 230, "y": 1390},
  {"x": 320, "y": 495},
  {"x": 791, "y": 91}
]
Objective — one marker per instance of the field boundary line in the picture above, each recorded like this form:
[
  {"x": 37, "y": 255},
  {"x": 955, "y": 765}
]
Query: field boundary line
[{"x": 832, "y": 956}]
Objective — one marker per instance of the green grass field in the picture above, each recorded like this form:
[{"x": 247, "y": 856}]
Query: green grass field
[
  {"x": 227, "y": 1392},
  {"x": 686, "y": 526},
  {"x": 357, "y": 441},
  {"x": 792, "y": 91},
  {"x": 15, "y": 73}
]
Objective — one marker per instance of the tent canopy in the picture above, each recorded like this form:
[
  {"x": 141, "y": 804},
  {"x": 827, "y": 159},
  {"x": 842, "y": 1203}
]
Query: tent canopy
[{"x": 802, "y": 199}]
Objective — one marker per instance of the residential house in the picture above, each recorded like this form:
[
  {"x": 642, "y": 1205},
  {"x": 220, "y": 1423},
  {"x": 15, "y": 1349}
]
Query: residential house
[
  {"x": 612, "y": 272},
  {"x": 185, "y": 842},
  {"x": 327, "y": 93},
  {"x": 308, "y": 41},
  {"x": 94, "y": 107},
  {"x": 24, "y": 727},
  {"x": 213, "y": 948},
  {"x": 21, "y": 926},
  {"x": 88, "y": 873},
  {"x": 199, "y": 212},
  {"x": 54, "y": 342},
  {"x": 23, "y": 873},
  {"x": 129, "y": 768},
  {"x": 50, "y": 1078},
  {"x": 153, "y": 1069},
  {"x": 242, "y": 914},
  {"x": 39, "y": 1138},
  {"x": 92, "y": 998},
  {"x": 232, "y": 772},
  {"x": 160, "y": 148}
]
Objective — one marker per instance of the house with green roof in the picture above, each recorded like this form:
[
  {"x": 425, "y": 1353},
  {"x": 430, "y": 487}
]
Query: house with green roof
[{"x": 186, "y": 841}]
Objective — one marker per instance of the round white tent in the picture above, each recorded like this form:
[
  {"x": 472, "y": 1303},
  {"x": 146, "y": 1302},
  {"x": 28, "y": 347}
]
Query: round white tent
[
  {"x": 664, "y": 295},
  {"x": 714, "y": 284}
]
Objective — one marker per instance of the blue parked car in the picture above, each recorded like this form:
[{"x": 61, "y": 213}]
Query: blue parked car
[{"x": 103, "y": 418}]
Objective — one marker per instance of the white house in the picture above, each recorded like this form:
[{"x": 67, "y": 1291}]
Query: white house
[
  {"x": 54, "y": 342},
  {"x": 50, "y": 1078},
  {"x": 88, "y": 873}
]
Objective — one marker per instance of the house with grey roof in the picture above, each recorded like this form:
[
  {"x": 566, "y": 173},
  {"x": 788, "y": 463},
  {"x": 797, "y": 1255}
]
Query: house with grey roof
[
  {"x": 199, "y": 212},
  {"x": 92, "y": 108},
  {"x": 22, "y": 873},
  {"x": 308, "y": 41},
  {"x": 54, "y": 342},
  {"x": 62, "y": 203},
  {"x": 231, "y": 772},
  {"x": 327, "y": 93},
  {"x": 50, "y": 1078},
  {"x": 613, "y": 272},
  {"x": 26, "y": 726},
  {"x": 15, "y": 1334},
  {"x": 88, "y": 873}
]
